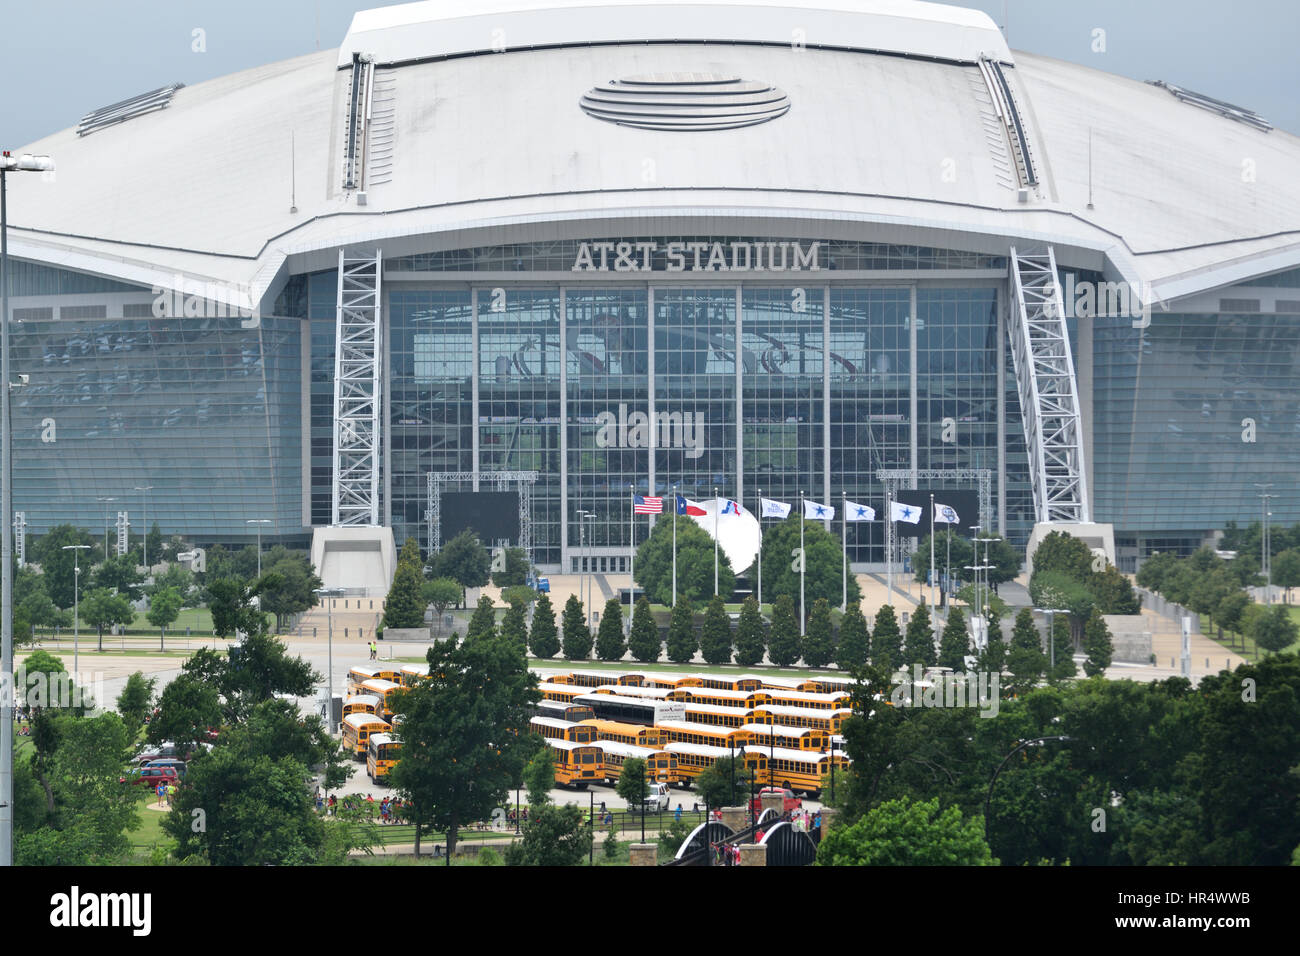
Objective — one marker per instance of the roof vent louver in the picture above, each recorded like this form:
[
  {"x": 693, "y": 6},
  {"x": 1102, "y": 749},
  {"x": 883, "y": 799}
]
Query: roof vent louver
[
  {"x": 106, "y": 116},
  {"x": 685, "y": 102},
  {"x": 1238, "y": 113}
]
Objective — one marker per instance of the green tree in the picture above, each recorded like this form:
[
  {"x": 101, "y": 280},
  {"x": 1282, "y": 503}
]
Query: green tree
[
  {"x": 164, "y": 608},
  {"x": 1061, "y": 551},
  {"x": 577, "y": 635},
  {"x": 553, "y": 836},
  {"x": 1152, "y": 573},
  {"x": 42, "y": 681},
  {"x": 1025, "y": 658},
  {"x": 715, "y": 784},
  {"x": 1273, "y": 630},
  {"x": 954, "y": 643},
  {"x": 539, "y": 777},
  {"x": 824, "y": 562},
  {"x": 632, "y": 784},
  {"x": 887, "y": 639},
  {"x": 819, "y": 641},
  {"x": 464, "y": 559},
  {"x": 1231, "y": 609},
  {"x": 1286, "y": 570},
  {"x": 715, "y": 635},
  {"x": 682, "y": 643},
  {"x": 293, "y": 590},
  {"x": 654, "y": 563},
  {"x": 101, "y": 608},
  {"x": 187, "y": 708},
  {"x": 543, "y": 640},
  {"x": 461, "y": 749},
  {"x": 1114, "y": 593},
  {"x": 751, "y": 640},
  {"x": 483, "y": 621},
  {"x": 920, "y": 639},
  {"x": 784, "y": 643},
  {"x": 907, "y": 833},
  {"x": 120, "y": 573},
  {"x": 404, "y": 606},
  {"x": 88, "y": 813},
  {"x": 57, "y": 564},
  {"x": 643, "y": 642},
  {"x": 514, "y": 625},
  {"x": 136, "y": 700},
  {"x": 234, "y": 609},
  {"x": 1006, "y": 559},
  {"x": 610, "y": 645},
  {"x": 1063, "y": 649},
  {"x": 1056, "y": 589},
  {"x": 442, "y": 593},
  {"x": 855, "y": 639},
  {"x": 1097, "y": 645},
  {"x": 962, "y": 552},
  {"x": 518, "y": 594},
  {"x": 513, "y": 569},
  {"x": 175, "y": 576}
]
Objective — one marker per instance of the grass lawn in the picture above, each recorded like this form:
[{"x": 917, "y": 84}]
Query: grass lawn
[
  {"x": 1234, "y": 642},
  {"x": 150, "y": 833}
]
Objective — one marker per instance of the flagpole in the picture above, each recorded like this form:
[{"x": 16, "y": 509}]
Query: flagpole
[
  {"x": 715, "y": 540},
  {"x": 947, "y": 569},
  {"x": 760, "y": 549},
  {"x": 932, "y": 573},
  {"x": 889, "y": 535},
  {"x": 674, "y": 544},
  {"x": 631, "y": 563},
  {"x": 803, "y": 564},
  {"x": 844, "y": 536}
]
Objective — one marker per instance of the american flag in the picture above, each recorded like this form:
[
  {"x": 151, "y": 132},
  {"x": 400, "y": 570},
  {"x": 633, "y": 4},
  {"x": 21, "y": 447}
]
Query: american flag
[{"x": 645, "y": 505}]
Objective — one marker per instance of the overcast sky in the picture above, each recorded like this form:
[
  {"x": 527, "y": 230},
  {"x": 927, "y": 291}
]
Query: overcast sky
[{"x": 64, "y": 58}]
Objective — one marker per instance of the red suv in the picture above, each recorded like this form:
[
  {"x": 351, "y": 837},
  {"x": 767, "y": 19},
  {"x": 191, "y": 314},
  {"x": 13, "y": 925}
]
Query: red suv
[
  {"x": 789, "y": 800},
  {"x": 150, "y": 776}
]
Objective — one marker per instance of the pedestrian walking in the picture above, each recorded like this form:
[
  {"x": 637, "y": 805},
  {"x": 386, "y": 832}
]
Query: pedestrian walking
[{"x": 161, "y": 790}]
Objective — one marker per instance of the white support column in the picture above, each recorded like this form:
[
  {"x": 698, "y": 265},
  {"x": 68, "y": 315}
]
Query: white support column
[
  {"x": 740, "y": 399},
  {"x": 1002, "y": 409},
  {"x": 357, "y": 391},
  {"x": 473, "y": 387},
  {"x": 826, "y": 399},
  {"x": 564, "y": 433}
]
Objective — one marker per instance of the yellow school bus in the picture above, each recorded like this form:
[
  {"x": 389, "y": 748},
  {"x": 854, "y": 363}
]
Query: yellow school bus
[
  {"x": 554, "y": 729},
  {"x": 362, "y": 704},
  {"x": 660, "y": 766},
  {"x": 799, "y": 770},
  {"x": 721, "y": 698},
  {"x": 363, "y": 672},
  {"x": 576, "y": 765},
  {"x": 718, "y": 716},
  {"x": 689, "y": 732},
  {"x": 792, "y": 738},
  {"x": 409, "y": 675},
  {"x": 637, "y": 735},
  {"x": 382, "y": 754},
  {"x": 694, "y": 759},
  {"x": 564, "y": 693},
  {"x": 837, "y": 700},
  {"x": 632, "y": 690},
  {"x": 383, "y": 689},
  {"x": 600, "y": 678},
  {"x": 357, "y": 729},
  {"x": 830, "y": 721},
  {"x": 745, "y": 682}
]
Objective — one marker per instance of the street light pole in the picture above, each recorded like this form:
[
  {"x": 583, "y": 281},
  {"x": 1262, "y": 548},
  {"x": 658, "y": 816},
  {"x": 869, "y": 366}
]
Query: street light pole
[
  {"x": 106, "y": 501},
  {"x": 8, "y": 163},
  {"x": 1265, "y": 546},
  {"x": 1051, "y": 613},
  {"x": 144, "y": 538},
  {"x": 259, "y": 522},
  {"x": 76, "y": 615}
]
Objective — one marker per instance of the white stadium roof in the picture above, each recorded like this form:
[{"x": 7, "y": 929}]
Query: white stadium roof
[{"x": 901, "y": 145}]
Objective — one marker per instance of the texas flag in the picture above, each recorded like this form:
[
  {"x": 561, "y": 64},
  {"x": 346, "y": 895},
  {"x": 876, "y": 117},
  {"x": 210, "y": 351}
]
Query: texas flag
[
  {"x": 687, "y": 507},
  {"x": 901, "y": 512}
]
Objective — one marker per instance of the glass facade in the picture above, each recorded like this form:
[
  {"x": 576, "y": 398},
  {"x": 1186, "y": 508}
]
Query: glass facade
[
  {"x": 206, "y": 411},
  {"x": 1189, "y": 413}
]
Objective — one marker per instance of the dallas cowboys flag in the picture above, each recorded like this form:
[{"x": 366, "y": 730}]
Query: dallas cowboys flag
[
  {"x": 817, "y": 512},
  {"x": 857, "y": 512},
  {"x": 774, "y": 509},
  {"x": 901, "y": 512},
  {"x": 945, "y": 514}
]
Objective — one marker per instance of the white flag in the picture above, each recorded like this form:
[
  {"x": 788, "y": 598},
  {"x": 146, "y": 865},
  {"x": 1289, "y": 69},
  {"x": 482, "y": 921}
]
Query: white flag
[
  {"x": 945, "y": 514},
  {"x": 857, "y": 512},
  {"x": 817, "y": 512},
  {"x": 901, "y": 512},
  {"x": 774, "y": 509}
]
